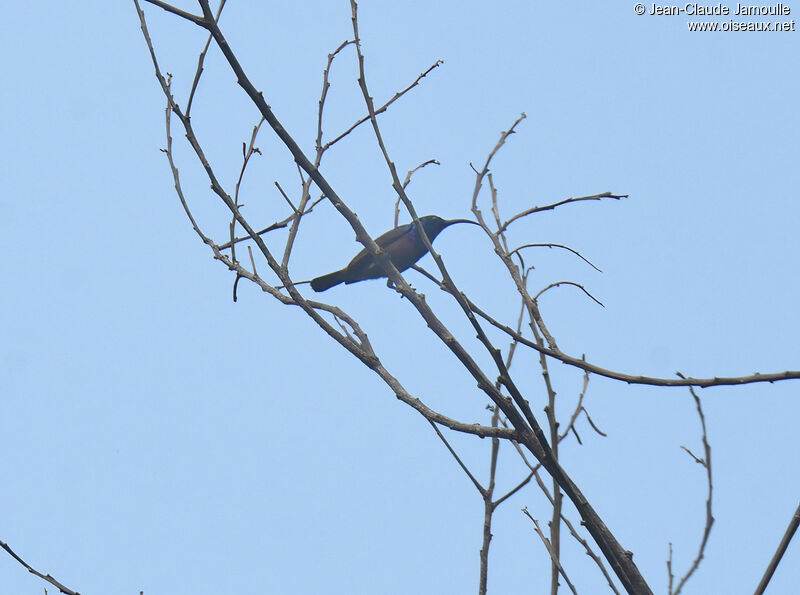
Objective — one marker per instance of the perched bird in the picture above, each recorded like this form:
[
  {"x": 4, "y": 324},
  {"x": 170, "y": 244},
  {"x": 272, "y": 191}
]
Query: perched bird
[{"x": 403, "y": 245}]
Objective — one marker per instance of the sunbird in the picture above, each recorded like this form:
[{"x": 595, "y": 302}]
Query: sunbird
[{"x": 403, "y": 245}]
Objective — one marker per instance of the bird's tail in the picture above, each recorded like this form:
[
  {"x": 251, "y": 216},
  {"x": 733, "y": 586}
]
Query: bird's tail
[{"x": 327, "y": 281}]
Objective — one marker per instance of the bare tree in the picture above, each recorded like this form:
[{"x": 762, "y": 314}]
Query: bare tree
[
  {"x": 512, "y": 419},
  {"x": 511, "y": 422}
]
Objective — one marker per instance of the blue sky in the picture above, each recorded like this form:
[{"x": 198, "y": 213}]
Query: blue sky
[{"x": 159, "y": 437}]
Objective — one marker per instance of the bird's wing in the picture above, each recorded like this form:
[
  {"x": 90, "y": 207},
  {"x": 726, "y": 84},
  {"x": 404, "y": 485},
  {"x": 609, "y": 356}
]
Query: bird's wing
[
  {"x": 390, "y": 237},
  {"x": 384, "y": 240}
]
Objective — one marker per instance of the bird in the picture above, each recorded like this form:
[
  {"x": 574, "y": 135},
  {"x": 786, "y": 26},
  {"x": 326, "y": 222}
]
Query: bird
[{"x": 403, "y": 245}]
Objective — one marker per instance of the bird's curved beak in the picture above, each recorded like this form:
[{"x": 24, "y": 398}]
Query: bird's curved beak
[{"x": 452, "y": 221}]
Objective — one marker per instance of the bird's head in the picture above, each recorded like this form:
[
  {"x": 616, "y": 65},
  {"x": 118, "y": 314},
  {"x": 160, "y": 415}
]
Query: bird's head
[{"x": 433, "y": 224}]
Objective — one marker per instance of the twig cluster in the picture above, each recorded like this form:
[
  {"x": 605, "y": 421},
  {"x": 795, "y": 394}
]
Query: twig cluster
[{"x": 512, "y": 419}]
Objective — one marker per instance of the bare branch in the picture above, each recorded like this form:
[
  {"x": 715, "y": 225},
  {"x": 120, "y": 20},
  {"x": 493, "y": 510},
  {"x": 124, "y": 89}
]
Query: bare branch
[
  {"x": 200, "y": 61},
  {"x": 575, "y": 252},
  {"x": 168, "y": 151},
  {"x": 488, "y": 505},
  {"x": 496, "y": 211},
  {"x": 406, "y": 182},
  {"x": 524, "y": 427},
  {"x": 576, "y": 412},
  {"x": 575, "y": 535},
  {"x": 200, "y": 21},
  {"x": 252, "y": 261},
  {"x": 247, "y": 152},
  {"x": 582, "y": 364},
  {"x": 776, "y": 559},
  {"x": 590, "y": 553},
  {"x": 325, "y": 86},
  {"x": 538, "y": 442},
  {"x": 499, "y": 241},
  {"x": 32, "y": 570},
  {"x": 461, "y": 464},
  {"x": 385, "y": 106},
  {"x": 637, "y": 379},
  {"x": 560, "y": 283},
  {"x": 552, "y": 206},
  {"x": 286, "y": 197},
  {"x": 591, "y": 423},
  {"x": 277, "y": 225},
  {"x": 550, "y": 550},
  {"x": 515, "y": 489},
  {"x": 363, "y": 351},
  {"x": 706, "y": 462},
  {"x": 482, "y": 174}
]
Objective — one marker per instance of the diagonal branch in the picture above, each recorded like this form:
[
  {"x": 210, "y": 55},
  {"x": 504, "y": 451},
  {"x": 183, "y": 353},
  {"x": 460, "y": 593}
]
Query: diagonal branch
[
  {"x": 197, "y": 20},
  {"x": 634, "y": 378},
  {"x": 461, "y": 464},
  {"x": 200, "y": 60},
  {"x": 386, "y": 105},
  {"x": 776, "y": 559},
  {"x": 550, "y": 550},
  {"x": 582, "y": 364},
  {"x": 32, "y": 570}
]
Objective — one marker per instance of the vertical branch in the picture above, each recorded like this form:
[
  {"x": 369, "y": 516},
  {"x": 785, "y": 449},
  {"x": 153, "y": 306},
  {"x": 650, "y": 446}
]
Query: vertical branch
[
  {"x": 706, "y": 463},
  {"x": 247, "y": 152},
  {"x": 555, "y": 521},
  {"x": 488, "y": 509}
]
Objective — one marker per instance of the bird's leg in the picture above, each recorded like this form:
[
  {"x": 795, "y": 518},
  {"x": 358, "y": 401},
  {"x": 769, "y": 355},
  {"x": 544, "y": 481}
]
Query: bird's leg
[{"x": 391, "y": 285}]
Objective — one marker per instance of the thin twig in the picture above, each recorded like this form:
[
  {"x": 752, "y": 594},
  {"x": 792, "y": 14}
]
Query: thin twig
[
  {"x": 200, "y": 61},
  {"x": 550, "y": 550},
  {"x": 306, "y": 181},
  {"x": 515, "y": 489},
  {"x": 591, "y": 423},
  {"x": 461, "y": 464},
  {"x": 554, "y": 205},
  {"x": 325, "y": 86},
  {"x": 247, "y": 152},
  {"x": 589, "y": 552},
  {"x": 575, "y": 252},
  {"x": 277, "y": 225},
  {"x": 496, "y": 214},
  {"x": 560, "y": 283},
  {"x": 576, "y": 412},
  {"x": 197, "y": 20},
  {"x": 286, "y": 197},
  {"x": 385, "y": 106},
  {"x": 499, "y": 240},
  {"x": 705, "y": 462},
  {"x": 406, "y": 182}
]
